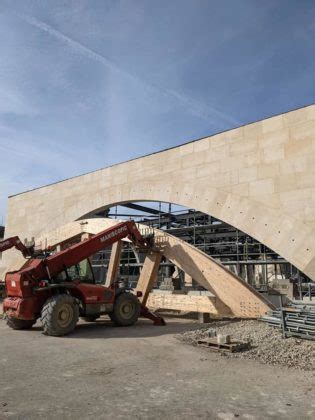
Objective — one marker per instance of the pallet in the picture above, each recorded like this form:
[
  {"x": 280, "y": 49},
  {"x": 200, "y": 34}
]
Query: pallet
[{"x": 233, "y": 347}]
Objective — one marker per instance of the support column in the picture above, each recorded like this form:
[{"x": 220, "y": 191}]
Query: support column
[
  {"x": 113, "y": 265},
  {"x": 148, "y": 275}
]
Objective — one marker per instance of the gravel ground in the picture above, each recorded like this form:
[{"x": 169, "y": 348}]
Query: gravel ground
[
  {"x": 140, "y": 373},
  {"x": 267, "y": 344}
]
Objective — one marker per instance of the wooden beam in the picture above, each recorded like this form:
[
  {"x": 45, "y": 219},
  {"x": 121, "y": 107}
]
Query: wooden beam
[
  {"x": 188, "y": 282},
  {"x": 148, "y": 275},
  {"x": 113, "y": 266},
  {"x": 185, "y": 303},
  {"x": 233, "y": 295},
  {"x": 181, "y": 302}
]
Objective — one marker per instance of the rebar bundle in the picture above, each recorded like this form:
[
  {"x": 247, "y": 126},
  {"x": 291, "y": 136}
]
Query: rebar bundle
[{"x": 296, "y": 320}]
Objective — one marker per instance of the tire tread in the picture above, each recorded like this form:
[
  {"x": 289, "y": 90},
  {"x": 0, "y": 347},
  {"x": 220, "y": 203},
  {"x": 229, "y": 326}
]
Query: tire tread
[{"x": 48, "y": 311}]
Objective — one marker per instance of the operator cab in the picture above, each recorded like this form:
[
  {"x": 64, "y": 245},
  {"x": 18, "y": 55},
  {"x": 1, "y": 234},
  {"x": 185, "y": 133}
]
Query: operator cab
[{"x": 81, "y": 272}]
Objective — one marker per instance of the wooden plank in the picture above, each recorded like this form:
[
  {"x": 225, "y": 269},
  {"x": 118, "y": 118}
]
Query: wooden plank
[
  {"x": 113, "y": 266},
  {"x": 148, "y": 275},
  {"x": 185, "y": 303},
  {"x": 232, "y": 347},
  {"x": 188, "y": 280}
]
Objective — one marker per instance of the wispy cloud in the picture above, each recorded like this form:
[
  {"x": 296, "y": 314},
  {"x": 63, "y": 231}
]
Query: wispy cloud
[
  {"x": 196, "y": 107},
  {"x": 12, "y": 101},
  {"x": 28, "y": 161}
]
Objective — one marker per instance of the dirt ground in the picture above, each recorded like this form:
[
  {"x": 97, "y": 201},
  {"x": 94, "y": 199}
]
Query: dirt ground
[{"x": 140, "y": 372}]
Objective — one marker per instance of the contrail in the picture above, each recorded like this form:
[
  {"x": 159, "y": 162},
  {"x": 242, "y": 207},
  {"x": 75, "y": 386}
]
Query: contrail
[{"x": 202, "y": 110}]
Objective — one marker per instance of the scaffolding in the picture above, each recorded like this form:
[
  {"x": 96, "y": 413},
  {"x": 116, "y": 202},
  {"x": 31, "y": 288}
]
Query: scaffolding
[{"x": 245, "y": 256}]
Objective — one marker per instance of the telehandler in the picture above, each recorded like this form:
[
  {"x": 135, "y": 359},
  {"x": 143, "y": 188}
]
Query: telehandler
[{"x": 60, "y": 287}]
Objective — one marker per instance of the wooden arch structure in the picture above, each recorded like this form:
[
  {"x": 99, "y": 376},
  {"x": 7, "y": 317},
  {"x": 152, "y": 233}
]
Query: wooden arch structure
[{"x": 230, "y": 295}]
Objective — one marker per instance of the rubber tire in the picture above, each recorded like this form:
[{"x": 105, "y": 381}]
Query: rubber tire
[
  {"x": 116, "y": 317},
  {"x": 19, "y": 324},
  {"x": 90, "y": 318},
  {"x": 50, "y": 311}
]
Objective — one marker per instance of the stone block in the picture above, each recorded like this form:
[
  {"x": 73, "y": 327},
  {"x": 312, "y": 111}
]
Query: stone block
[
  {"x": 186, "y": 149},
  {"x": 247, "y": 174},
  {"x": 245, "y": 146},
  {"x": 202, "y": 145},
  {"x": 269, "y": 170},
  {"x": 299, "y": 147},
  {"x": 273, "y": 124},
  {"x": 263, "y": 186},
  {"x": 271, "y": 154},
  {"x": 274, "y": 138},
  {"x": 285, "y": 182}
]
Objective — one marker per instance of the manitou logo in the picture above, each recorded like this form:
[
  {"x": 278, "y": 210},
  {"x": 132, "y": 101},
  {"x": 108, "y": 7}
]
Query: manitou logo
[{"x": 113, "y": 233}]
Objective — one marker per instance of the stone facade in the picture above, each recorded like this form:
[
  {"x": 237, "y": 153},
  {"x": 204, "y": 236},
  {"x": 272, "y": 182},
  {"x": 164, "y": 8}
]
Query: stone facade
[{"x": 259, "y": 178}]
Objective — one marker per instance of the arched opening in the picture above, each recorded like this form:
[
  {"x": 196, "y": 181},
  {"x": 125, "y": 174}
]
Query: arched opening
[{"x": 253, "y": 261}]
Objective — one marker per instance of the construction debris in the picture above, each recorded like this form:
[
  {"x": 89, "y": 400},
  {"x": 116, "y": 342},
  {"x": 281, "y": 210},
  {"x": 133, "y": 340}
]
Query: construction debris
[
  {"x": 223, "y": 339},
  {"x": 296, "y": 320},
  {"x": 267, "y": 344}
]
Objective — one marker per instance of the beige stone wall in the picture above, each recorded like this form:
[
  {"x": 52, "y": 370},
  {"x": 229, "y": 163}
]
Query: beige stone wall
[{"x": 259, "y": 178}]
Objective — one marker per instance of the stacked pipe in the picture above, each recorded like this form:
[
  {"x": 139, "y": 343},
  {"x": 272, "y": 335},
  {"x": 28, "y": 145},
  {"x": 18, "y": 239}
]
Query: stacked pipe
[{"x": 296, "y": 320}]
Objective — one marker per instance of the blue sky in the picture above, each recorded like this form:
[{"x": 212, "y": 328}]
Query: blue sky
[{"x": 85, "y": 84}]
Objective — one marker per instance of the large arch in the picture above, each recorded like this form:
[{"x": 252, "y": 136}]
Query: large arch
[{"x": 259, "y": 178}]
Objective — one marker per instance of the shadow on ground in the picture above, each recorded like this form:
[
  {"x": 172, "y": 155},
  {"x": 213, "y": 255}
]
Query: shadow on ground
[{"x": 104, "y": 328}]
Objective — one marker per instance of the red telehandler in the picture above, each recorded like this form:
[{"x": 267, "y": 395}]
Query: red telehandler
[
  {"x": 60, "y": 287},
  {"x": 10, "y": 243}
]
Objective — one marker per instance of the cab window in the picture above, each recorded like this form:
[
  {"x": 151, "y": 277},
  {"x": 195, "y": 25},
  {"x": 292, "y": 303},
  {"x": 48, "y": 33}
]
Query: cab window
[
  {"x": 81, "y": 271},
  {"x": 85, "y": 272}
]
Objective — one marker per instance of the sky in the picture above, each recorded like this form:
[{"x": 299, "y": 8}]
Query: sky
[{"x": 87, "y": 84}]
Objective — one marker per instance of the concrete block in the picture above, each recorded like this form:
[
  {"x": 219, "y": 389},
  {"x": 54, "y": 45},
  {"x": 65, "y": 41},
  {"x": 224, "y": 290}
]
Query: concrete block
[
  {"x": 211, "y": 333},
  {"x": 223, "y": 339}
]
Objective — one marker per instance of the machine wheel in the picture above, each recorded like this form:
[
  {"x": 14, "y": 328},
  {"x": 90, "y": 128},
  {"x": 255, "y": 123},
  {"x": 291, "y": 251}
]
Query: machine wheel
[
  {"x": 20, "y": 324},
  {"x": 90, "y": 318},
  {"x": 126, "y": 310},
  {"x": 59, "y": 315}
]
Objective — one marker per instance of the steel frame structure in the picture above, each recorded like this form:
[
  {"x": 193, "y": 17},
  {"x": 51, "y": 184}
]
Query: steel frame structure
[{"x": 238, "y": 251}]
